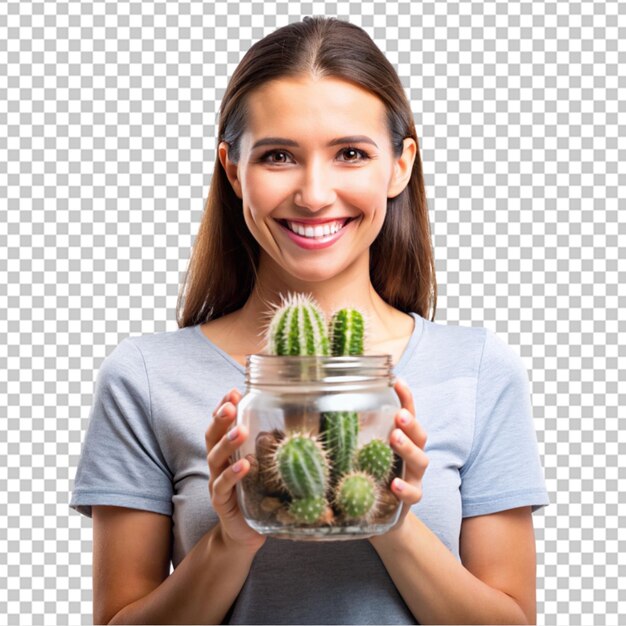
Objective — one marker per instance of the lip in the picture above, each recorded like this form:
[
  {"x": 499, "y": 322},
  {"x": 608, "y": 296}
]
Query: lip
[
  {"x": 316, "y": 221},
  {"x": 312, "y": 244}
]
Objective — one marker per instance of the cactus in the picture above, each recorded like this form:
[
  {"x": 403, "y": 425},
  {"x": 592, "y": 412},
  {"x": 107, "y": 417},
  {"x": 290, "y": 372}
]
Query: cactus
[
  {"x": 346, "y": 332},
  {"x": 340, "y": 429},
  {"x": 357, "y": 495},
  {"x": 375, "y": 458},
  {"x": 302, "y": 464},
  {"x": 308, "y": 510},
  {"x": 298, "y": 328},
  {"x": 340, "y": 432}
]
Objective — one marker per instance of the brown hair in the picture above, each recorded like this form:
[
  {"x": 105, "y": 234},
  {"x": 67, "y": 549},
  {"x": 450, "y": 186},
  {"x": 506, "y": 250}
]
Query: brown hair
[{"x": 223, "y": 266}]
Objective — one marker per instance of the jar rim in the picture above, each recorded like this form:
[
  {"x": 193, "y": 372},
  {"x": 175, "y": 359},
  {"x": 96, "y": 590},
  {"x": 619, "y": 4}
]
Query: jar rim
[
  {"x": 316, "y": 356},
  {"x": 273, "y": 369}
]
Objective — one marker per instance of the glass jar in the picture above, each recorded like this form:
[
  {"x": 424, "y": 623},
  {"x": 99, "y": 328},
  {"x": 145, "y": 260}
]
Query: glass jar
[{"x": 318, "y": 445}]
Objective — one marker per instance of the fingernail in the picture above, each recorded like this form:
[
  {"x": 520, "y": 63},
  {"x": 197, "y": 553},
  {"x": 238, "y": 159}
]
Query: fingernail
[
  {"x": 404, "y": 417},
  {"x": 237, "y": 467},
  {"x": 399, "y": 437},
  {"x": 222, "y": 410},
  {"x": 233, "y": 433},
  {"x": 397, "y": 483},
  {"x": 401, "y": 381}
]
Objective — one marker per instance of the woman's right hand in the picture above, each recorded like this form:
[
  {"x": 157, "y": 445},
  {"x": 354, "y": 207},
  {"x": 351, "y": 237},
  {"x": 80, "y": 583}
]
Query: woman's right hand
[{"x": 223, "y": 477}]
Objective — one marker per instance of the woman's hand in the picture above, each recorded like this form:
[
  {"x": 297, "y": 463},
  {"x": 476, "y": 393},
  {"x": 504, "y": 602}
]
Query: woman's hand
[
  {"x": 223, "y": 476},
  {"x": 410, "y": 447}
]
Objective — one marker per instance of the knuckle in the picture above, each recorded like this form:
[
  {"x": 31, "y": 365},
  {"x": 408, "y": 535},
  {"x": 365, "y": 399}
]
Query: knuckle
[{"x": 211, "y": 458}]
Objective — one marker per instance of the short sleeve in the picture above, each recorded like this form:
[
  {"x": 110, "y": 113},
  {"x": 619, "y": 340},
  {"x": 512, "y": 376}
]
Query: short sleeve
[
  {"x": 503, "y": 470},
  {"x": 121, "y": 463}
]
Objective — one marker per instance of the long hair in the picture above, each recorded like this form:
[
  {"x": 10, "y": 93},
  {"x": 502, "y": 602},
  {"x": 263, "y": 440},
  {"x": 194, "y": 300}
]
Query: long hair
[{"x": 223, "y": 266}]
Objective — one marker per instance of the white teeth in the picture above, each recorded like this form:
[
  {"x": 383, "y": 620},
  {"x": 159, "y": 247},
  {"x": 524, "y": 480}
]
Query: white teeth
[{"x": 323, "y": 230}]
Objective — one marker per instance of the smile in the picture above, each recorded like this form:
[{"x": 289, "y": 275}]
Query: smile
[{"x": 314, "y": 238}]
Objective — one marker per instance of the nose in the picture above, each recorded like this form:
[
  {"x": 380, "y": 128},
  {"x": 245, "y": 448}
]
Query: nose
[{"x": 316, "y": 189}]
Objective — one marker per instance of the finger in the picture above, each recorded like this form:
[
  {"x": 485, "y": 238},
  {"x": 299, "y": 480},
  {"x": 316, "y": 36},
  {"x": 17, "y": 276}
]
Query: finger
[
  {"x": 416, "y": 460},
  {"x": 221, "y": 422},
  {"x": 414, "y": 430},
  {"x": 234, "y": 395},
  {"x": 219, "y": 456},
  {"x": 222, "y": 488},
  {"x": 405, "y": 395},
  {"x": 408, "y": 493}
]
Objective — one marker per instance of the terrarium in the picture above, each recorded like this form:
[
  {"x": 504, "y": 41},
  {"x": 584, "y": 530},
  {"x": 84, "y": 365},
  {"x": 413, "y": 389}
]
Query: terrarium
[{"x": 319, "y": 414}]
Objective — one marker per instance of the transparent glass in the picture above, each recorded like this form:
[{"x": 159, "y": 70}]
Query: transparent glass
[{"x": 299, "y": 396}]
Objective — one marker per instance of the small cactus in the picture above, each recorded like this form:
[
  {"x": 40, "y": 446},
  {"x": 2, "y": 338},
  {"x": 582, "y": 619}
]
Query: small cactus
[
  {"x": 298, "y": 328},
  {"x": 346, "y": 332},
  {"x": 302, "y": 464},
  {"x": 308, "y": 510},
  {"x": 357, "y": 495},
  {"x": 375, "y": 458}
]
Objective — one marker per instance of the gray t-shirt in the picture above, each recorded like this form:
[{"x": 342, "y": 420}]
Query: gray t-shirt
[{"x": 145, "y": 449}]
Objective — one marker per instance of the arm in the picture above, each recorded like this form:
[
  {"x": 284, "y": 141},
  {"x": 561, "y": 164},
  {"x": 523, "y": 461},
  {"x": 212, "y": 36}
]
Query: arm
[
  {"x": 494, "y": 584},
  {"x": 131, "y": 567}
]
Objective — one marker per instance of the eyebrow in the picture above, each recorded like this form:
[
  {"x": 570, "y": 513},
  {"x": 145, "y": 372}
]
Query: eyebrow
[{"x": 267, "y": 141}]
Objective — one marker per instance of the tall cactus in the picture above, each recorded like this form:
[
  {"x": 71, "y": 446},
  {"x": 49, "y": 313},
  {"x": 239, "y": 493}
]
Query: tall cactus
[
  {"x": 341, "y": 428},
  {"x": 347, "y": 332},
  {"x": 340, "y": 431}
]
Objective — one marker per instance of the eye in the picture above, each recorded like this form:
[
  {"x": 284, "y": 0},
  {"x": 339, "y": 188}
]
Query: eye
[
  {"x": 364, "y": 156},
  {"x": 265, "y": 156}
]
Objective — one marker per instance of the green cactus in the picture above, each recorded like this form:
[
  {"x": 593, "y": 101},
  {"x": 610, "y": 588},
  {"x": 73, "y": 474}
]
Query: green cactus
[
  {"x": 308, "y": 510},
  {"x": 307, "y": 467},
  {"x": 357, "y": 495},
  {"x": 375, "y": 458},
  {"x": 340, "y": 429},
  {"x": 298, "y": 328},
  {"x": 346, "y": 332},
  {"x": 340, "y": 433},
  {"x": 302, "y": 464}
]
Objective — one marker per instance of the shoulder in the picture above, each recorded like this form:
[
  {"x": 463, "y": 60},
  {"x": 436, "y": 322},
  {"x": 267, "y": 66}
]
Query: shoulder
[
  {"x": 477, "y": 345},
  {"x": 130, "y": 359}
]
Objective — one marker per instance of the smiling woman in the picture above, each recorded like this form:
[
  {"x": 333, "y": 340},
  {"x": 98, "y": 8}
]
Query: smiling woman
[{"x": 318, "y": 188}]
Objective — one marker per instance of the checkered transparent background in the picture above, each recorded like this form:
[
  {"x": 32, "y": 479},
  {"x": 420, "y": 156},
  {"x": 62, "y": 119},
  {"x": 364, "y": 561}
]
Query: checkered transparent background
[{"x": 107, "y": 134}]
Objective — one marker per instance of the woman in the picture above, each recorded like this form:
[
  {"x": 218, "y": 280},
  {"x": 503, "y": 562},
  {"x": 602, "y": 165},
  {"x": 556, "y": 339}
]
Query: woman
[{"x": 314, "y": 129}]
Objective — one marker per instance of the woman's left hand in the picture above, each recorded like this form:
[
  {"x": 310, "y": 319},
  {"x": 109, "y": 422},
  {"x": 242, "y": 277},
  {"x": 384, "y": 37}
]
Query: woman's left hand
[{"x": 408, "y": 440}]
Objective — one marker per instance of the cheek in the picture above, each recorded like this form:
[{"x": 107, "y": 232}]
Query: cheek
[
  {"x": 262, "y": 192},
  {"x": 369, "y": 194}
]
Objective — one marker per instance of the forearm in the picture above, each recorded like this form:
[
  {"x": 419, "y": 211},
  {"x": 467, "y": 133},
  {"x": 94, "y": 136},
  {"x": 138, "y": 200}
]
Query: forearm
[
  {"x": 199, "y": 591},
  {"x": 436, "y": 587}
]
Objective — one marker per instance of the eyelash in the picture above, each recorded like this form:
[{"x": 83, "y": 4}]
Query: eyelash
[{"x": 364, "y": 155}]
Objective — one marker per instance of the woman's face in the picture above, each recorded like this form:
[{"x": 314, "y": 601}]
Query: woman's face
[{"x": 297, "y": 165}]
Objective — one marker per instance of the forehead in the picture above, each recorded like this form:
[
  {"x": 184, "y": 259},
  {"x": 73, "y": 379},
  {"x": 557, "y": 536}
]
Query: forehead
[{"x": 290, "y": 107}]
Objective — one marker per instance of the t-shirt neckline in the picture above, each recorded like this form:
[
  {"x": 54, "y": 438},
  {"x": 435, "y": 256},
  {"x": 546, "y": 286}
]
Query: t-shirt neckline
[{"x": 397, "y": 369}]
